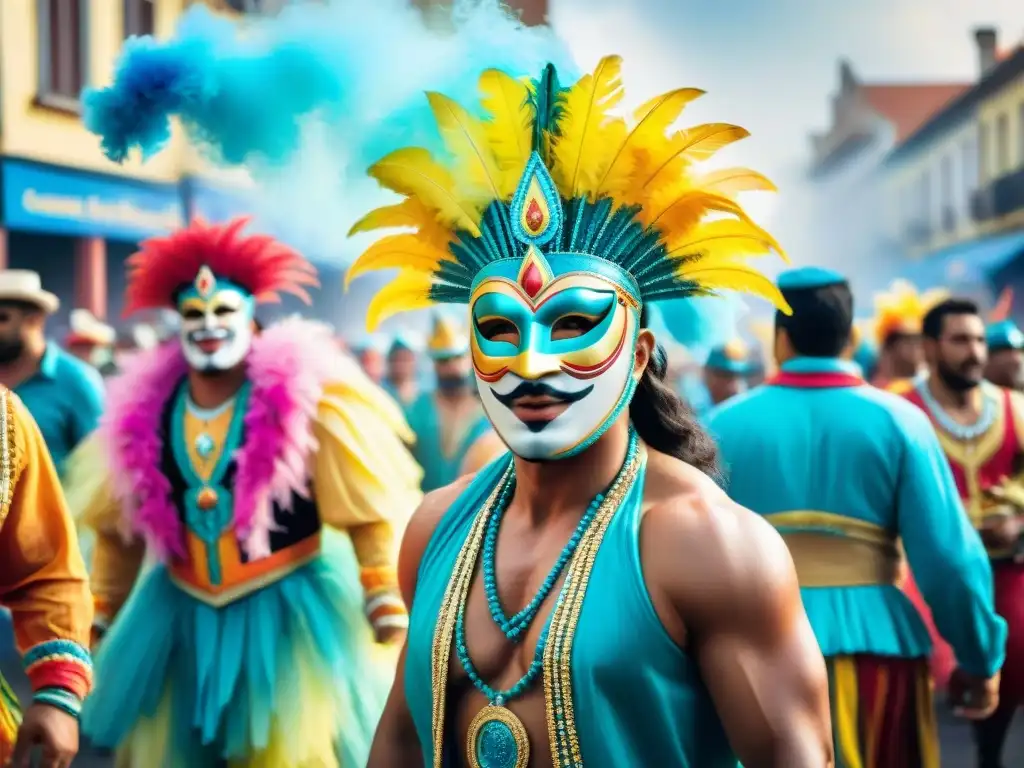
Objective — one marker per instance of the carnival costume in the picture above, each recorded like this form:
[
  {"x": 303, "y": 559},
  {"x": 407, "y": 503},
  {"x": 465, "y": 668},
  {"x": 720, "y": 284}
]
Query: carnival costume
[
  {"x": 985, "y": 459},
  {"x": 42, "y": 577},
  {"x": 899, "y": 312},
  {"x": 443, "y": 448},
  {"x": 549, "y": 208},
  {"x": 247, "y": 642},
  {"x": 1004, "y": 334},
  {"x": 846, "y": 473}
]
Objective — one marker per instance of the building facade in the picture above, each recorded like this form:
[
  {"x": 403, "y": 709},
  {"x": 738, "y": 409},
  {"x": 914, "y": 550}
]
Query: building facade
[
  {"x": 65, "y": 211},
  {"x": 955, "y": 186},
  {"x": 843, "y": 219}
]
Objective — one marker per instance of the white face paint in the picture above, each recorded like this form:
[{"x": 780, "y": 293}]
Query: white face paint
[
  {"x": 594, "y": 403},
  {"x": 216, "y": 324}
]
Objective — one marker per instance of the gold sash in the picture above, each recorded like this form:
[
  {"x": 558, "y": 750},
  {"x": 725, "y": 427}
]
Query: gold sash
[{"x": 831, "y": 550}]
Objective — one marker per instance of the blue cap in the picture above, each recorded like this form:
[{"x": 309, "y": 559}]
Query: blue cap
[
  {"x": 400, "y": 343},
  {"x": 1004, "y": 335},
  {"x": 733, "y": 358},
  {"x": 866, "y": 355},
  {"x": 804, "y": 278}
]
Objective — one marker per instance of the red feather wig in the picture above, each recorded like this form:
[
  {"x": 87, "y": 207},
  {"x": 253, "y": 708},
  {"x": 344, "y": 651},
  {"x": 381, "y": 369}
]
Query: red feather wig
[{"x": 258, "y": 263}]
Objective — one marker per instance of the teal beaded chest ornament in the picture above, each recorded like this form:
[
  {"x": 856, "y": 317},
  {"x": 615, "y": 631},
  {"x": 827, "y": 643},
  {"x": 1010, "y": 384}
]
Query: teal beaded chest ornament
[{"x": 496, "y": 737}]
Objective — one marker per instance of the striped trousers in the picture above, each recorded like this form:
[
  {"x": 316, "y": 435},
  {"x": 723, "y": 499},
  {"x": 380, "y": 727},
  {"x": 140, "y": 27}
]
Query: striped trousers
[{"x": 883, "y": 714}]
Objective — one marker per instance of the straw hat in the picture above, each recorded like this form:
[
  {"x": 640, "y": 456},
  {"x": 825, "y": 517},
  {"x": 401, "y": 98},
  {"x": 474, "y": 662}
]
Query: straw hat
[
  {"x": 26, "y": 285},
  {"x": 87, "y": 329}
]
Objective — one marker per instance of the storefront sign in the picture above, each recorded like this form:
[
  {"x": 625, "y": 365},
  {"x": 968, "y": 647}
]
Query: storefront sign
[{"x": 45, "y": 198}]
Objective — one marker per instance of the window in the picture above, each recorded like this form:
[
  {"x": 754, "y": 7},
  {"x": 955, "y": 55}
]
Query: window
[
  {"x": 984, "y": 154},
  {"x": 925, "y": 200},
  {"x": 1020, "y": 135},
  {"x": 1002, "y": 145},
  {"x": 946, "y": 182},
  {"x": 139, "y": 17},
  {"x": 63, "y": 37},
  {"x": 969, "y": 166}
]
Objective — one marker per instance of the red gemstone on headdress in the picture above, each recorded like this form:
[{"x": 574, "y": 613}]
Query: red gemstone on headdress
[
  {"x": 534, "y": 216},
  {"x": 532, "y": 281}
]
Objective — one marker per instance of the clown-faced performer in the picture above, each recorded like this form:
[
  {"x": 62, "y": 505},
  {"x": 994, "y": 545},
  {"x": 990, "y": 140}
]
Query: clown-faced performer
[
  {"x": 846, "y": 473},
  {"x": 453, "y": 435},
  {"x": 44, "y": 585},
  {"x": 235, "y": 456},
  {"x": 594, "y": 597}
]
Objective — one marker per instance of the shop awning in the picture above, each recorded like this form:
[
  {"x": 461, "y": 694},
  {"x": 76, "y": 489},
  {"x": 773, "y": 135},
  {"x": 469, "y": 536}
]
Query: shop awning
[{"x": 968, "y": 263}]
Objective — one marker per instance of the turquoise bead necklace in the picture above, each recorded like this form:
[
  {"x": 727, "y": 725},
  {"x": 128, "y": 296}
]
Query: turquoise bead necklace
[{"x": 515, "y": 627}]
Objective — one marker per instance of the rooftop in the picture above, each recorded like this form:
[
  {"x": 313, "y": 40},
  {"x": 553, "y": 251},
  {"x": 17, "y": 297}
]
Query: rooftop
[{"x": 909, "y": 106}]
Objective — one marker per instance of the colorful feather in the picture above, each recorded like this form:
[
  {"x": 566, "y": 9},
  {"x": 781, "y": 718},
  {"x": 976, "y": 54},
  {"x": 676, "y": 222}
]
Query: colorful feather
[
  {"x": 690, "y": 146},
  {"x": 653, "y": 121},
  {"x": 735, "y": 277},
  {"x": 414, "y": 173},
  {"x": 731, "y": 181},
  {"x": 587, "y": 136},
  {"x": 726, "y": 236},
  {"x": 508, "y": 131},
  {"x": 410, "y": 213},
  {"x": 466, "y": 141},
  {"x": 407, "y": 292},
  {"x": 398, "y": 251}
]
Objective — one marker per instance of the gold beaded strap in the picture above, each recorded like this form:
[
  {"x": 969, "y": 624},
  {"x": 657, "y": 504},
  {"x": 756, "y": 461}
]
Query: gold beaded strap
[
  {"x": 6, "y": 453},
  {"x": 454, "y": 596},
  {"x": 562, "y": 734},
  {"x": 564, "y": 741}
]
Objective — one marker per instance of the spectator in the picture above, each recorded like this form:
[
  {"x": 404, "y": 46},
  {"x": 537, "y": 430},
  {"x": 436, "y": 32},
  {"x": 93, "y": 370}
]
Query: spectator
[{"x": 63, "y": 394}]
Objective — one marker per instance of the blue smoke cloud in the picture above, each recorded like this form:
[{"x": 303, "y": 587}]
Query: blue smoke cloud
[{"x": 247, "y": 92}]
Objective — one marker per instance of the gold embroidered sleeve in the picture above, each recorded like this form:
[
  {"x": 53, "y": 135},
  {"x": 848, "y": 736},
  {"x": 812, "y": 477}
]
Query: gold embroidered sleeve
[{"x": 42, "y": 576}]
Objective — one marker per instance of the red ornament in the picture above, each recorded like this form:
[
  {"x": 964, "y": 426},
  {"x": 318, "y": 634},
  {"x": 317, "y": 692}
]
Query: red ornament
[
  {"x": 534, "y": 216},
  {"x": 532, "y": 280}
]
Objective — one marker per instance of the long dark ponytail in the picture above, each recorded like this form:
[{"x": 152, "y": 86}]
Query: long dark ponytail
[{"x": 666, "y": 423}]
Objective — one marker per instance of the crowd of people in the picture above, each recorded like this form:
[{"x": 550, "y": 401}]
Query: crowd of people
[{"x": 566, "y": 543}]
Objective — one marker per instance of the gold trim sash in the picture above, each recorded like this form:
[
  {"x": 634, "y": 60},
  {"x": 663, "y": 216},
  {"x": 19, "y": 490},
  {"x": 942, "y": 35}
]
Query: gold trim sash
[{"x": 831, "y": 550}]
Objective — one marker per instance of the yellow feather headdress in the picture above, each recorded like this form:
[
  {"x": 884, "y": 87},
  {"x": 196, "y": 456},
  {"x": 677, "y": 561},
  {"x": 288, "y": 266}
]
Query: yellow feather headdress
[
  {"x": 556, "y": 171},
  {"x": 901, "y": 309}
]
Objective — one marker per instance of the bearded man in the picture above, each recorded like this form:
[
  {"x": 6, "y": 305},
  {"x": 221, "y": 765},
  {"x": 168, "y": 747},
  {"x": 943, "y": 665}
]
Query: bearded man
[{"x": 981, "y": 430}]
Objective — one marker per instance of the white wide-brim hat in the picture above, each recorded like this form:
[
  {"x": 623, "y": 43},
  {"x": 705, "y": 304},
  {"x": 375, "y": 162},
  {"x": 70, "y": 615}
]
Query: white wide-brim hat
[{"x": 26, "y": 285}]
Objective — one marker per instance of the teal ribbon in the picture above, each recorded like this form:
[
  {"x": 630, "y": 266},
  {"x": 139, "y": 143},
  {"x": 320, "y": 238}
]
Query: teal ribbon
[{"x": 208, "y": 524}]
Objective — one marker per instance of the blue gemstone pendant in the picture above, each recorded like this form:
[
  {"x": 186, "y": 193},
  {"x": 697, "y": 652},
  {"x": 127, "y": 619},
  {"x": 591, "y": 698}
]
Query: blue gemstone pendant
[
  {"x": 497, "y": 739},
  {"x": 205, "y": 446}
]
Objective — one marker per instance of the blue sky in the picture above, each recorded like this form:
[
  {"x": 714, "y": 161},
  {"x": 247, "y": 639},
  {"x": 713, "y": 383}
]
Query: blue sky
[{"x": 770, "y": 65}]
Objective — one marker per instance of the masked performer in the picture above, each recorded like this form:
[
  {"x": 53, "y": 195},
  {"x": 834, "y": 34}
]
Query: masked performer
[
  {"x": 44, "y": 585},
  {"x": 230, "y": 456},
  {"x": 453, "y": 436},
  {"x": 872, "y": 475},
  {"x": 981, "y": 429},
  {"x": 898, "y": 314},
  {"x": 585, "y": 635}
]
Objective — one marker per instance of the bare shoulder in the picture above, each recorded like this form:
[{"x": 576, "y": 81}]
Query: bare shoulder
[
  {"x": 711, "y": 559},
  {"x": 421, "y": 528}
]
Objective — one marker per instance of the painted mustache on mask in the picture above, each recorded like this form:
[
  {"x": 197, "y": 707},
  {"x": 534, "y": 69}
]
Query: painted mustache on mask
[{"x": 540, "y": 389}]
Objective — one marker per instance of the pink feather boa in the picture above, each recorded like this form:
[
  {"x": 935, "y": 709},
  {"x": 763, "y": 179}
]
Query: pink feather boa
[{"x": 288, "y": 366}]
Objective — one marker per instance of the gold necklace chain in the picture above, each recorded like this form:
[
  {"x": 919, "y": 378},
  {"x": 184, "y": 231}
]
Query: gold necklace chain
[{"x": 564, "y": 741}]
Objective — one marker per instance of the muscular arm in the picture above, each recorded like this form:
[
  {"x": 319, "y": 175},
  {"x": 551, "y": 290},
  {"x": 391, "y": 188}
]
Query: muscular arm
[
  {"x": 732, "y": 585},
  {"x": 396, "y": 742}
]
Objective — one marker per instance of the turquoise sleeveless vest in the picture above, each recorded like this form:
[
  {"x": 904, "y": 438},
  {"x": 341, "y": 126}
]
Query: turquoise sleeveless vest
[
  {"x": 638, "y": 699},
  {"x": 439, "y": 470}
]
